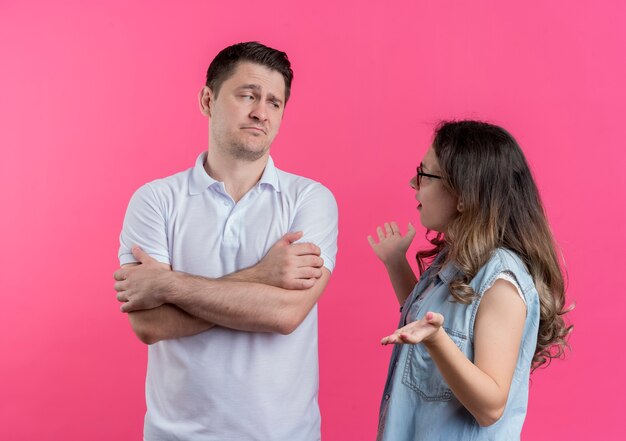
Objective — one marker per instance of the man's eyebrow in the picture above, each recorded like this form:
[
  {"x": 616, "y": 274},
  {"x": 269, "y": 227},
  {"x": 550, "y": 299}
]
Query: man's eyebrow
[
  {"x": 273, "y": 97},
  {"x": 254, "y": 87}
]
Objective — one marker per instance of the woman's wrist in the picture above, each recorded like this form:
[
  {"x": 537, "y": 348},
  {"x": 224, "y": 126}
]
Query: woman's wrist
[
  {"x": 434, "y": 341},
  {"x": 395, "y": 261}
]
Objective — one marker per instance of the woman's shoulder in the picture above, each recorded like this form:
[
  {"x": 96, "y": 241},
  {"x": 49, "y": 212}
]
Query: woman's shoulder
[
  {"x": 502, "y": 261},
  {"x": 507, "y": 259}
]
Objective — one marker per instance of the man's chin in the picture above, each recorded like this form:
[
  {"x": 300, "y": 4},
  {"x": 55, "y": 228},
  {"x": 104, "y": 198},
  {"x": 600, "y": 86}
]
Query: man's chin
[{"x": 249, "y": 153}]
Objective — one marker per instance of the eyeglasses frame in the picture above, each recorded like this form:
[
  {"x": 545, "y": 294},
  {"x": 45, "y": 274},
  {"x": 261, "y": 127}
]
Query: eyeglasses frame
[{"x": 420, "y": 174}]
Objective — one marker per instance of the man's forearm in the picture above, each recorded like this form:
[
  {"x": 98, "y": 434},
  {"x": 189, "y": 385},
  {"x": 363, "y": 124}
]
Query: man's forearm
[
  {"x": 242, "y": 305},
  {"x": 250, "y": 274},
  {"x": 165, "y": 322}
]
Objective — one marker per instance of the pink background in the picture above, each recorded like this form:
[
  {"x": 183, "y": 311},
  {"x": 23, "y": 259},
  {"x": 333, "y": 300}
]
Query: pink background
[{"x": 97, "y": 99}]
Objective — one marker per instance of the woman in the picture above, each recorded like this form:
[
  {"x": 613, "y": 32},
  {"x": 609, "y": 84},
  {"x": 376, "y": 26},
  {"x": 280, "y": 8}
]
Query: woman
[{"x": 490, "y": 306}]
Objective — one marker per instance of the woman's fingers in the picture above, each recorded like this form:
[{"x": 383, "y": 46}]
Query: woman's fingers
[{"x": 381, "y": 234}]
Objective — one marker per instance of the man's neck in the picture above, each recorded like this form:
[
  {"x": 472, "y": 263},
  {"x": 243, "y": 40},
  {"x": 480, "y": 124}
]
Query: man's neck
[{"x": 238, "y": 175}]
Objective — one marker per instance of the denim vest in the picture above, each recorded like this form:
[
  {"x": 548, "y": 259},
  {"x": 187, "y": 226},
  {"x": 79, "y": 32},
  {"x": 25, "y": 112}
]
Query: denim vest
[{"x": 417, "y": 403}]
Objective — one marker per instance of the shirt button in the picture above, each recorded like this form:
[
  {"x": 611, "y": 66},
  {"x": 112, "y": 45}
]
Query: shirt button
[{"x": 386, "y": 396}]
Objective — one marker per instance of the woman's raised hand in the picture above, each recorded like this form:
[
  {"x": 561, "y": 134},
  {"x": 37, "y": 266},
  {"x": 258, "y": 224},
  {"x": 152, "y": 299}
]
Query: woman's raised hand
[{"x": 392, "y": 245}]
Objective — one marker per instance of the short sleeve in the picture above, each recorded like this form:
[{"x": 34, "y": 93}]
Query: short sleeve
[
  {"x": 317, "y": 217},
  {"x": 145, "y": 225},
  {"x": 509, "y": 277}
]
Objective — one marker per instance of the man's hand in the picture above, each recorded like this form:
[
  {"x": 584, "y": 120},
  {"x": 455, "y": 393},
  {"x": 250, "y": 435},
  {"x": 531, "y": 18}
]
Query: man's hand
[
  {"x": 142, "y": 286},
  {"x": 286, "y": 265},
  {"x": 392, "y": 245}
]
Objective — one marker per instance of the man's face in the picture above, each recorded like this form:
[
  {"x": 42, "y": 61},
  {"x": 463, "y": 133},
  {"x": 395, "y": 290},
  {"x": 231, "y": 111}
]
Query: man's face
[{"x": 247, "y": 112}]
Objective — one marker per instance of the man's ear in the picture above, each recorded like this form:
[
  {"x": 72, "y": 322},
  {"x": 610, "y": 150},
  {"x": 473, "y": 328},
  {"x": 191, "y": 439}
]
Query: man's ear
[{"x": 205, "y": 100}]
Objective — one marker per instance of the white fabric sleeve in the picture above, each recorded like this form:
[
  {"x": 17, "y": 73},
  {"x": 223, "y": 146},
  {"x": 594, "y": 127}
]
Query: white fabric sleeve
[
  {"x": 145, "y": 226},
  {"x": 509, "y": 277},
  {"x": 317, "y": 217}
]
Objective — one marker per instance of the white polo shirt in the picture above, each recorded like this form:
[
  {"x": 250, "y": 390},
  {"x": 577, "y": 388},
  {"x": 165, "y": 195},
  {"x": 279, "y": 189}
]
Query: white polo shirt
[{"x": 224, "y": 384}]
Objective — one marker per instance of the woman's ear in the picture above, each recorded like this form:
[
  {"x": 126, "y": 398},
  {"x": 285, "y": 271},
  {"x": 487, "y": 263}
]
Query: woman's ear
[
  {"x": 205, "y": 97},
  {"x": 460, "y": 207}
]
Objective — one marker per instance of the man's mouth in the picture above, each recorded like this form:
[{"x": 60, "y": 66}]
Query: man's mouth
[{"x": 255, "y": 129}]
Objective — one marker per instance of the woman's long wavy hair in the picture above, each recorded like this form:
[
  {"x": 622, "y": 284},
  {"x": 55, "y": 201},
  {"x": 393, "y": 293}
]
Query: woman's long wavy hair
[{"x": 484, "y": 167}]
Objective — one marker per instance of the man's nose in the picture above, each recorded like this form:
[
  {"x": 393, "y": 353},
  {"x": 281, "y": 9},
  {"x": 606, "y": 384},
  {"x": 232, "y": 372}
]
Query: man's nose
[{"x": 259, "y": 111}]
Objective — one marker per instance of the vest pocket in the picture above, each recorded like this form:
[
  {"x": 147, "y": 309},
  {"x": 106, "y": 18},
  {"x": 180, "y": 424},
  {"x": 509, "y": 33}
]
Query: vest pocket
[{"x": 422, "y": 374}]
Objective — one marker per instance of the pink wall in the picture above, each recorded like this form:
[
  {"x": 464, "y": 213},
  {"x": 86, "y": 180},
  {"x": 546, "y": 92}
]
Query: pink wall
[{"x": 97, "y": 99}]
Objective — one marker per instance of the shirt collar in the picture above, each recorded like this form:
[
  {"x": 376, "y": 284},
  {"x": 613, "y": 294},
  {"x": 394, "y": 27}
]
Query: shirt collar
[
  {"x": 448, "y": 272},
  {"x": 199, "y": 180},
  {"x": 270, "y": 176}
]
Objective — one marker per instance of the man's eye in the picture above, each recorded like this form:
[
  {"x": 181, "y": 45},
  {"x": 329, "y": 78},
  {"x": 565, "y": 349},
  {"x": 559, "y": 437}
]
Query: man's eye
[
  {"x": 247, "y": 97},
  {"x": 276, "y": 105}
]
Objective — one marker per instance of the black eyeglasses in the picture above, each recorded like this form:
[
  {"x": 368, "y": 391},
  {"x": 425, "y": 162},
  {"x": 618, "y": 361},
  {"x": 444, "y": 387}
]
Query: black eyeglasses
[{"x": 420, "y": 174}]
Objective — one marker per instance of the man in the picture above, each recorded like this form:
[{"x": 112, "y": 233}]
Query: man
[{"x": 222, "y": 266}]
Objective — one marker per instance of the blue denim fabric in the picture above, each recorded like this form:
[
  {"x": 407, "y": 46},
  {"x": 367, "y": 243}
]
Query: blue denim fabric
[{"x": 417, "y": 403}]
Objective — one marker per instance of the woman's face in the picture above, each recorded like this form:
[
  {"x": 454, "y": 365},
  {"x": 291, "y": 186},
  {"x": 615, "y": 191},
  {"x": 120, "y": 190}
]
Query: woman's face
[{"x": 437, "y": 206}]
